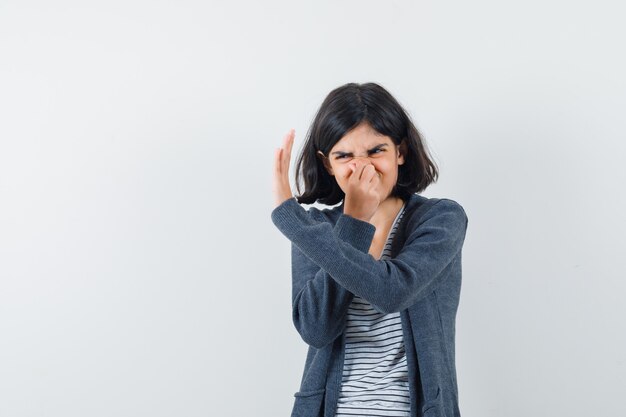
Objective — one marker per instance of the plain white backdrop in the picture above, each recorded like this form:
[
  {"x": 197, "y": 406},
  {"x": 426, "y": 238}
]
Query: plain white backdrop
[{"x": 141, "y": 275}]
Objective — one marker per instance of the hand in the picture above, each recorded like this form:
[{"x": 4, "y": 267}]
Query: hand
[
  {"x": 362, "y": 198},
  {"x": 282, "y": 156}
]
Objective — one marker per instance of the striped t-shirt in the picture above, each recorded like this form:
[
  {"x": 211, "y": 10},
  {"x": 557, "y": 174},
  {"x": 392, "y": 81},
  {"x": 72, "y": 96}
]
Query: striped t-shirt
[{"x": 375, "y": 374}]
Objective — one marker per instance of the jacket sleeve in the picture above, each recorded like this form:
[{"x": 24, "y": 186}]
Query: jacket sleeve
[
  {"x": 390, "y": 285},
  {"x": 320, "y": 304}
]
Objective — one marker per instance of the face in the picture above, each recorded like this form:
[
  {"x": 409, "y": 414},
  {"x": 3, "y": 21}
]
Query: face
[{"x": 366, "y": 144}]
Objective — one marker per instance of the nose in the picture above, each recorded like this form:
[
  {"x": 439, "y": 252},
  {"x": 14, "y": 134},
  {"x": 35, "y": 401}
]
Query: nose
[
  {"x": 364, "y": 158},
  {"x": 366, "y": 161},
  {"x": 355, "y": 160}
]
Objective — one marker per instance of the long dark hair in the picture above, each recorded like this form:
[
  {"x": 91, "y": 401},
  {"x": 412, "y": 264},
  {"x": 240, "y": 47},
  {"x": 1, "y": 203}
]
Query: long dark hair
[{"x": 343, "y": 109}]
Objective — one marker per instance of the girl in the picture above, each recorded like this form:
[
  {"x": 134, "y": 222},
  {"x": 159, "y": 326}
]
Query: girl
[{"x": 375, "y": 280}]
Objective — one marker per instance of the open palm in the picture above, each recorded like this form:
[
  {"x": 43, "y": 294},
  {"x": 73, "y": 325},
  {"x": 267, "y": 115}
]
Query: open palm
[{"x": 282, "y": 157}]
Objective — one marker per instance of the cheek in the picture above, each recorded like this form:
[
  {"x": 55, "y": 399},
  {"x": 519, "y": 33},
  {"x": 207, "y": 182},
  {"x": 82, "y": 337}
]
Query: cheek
[
  {"x": 343, "y": 172},
  {"x": 386, "y": 170},
  {"x": 389, "y": 174}
]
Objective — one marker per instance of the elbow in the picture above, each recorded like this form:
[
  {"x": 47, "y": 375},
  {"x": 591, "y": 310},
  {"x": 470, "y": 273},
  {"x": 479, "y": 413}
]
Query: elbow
[
  {"x": 311, "y": 333},
  {"x": 315, "y": 342},
  {"x": 387, "y": 301},
  {"x": 390, "y": 308},
  {"x": 383, "y": 308},
  {"x": 393, "y": 303}
]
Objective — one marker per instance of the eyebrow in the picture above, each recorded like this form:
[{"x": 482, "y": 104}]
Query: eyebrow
[{"x": 350, "y": 153}]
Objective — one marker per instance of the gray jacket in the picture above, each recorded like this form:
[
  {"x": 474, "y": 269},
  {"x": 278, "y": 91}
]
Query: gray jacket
[{"x": 421, "y": 280}]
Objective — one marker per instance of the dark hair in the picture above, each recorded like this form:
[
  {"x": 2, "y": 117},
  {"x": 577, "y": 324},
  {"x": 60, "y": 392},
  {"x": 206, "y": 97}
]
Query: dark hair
[{"x": 343, "y": 109}]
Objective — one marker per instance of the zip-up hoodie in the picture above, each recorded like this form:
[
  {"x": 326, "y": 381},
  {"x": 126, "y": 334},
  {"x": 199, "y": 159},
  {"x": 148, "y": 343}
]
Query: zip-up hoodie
[{"x": 421, "y": 280}]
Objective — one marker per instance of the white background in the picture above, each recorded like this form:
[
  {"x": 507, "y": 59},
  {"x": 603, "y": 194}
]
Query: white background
[{"x": 140, "y": 273}]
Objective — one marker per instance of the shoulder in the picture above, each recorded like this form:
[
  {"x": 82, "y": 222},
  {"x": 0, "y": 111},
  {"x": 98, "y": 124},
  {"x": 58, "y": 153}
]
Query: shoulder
[
  {"x": 448, "y": 205},
  {"x": 423, "y": 209}
]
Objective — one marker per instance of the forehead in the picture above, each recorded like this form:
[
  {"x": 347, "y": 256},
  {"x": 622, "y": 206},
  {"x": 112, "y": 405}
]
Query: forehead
[{"x": 361, "y": 137}]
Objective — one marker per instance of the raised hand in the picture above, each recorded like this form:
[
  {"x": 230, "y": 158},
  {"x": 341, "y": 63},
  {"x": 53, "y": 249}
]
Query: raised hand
[{"x": 282, "y": 156}]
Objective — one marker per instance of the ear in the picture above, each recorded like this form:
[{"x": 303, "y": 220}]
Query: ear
[
  {"x": 402, "y": 150},
  {"x": 326, "y": 163}
]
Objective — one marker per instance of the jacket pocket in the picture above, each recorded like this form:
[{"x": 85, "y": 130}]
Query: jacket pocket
[
  {"x": 309, "y": 403},
  {"x": 434, "y": 407},
  {"x": 435, "y": 411}
]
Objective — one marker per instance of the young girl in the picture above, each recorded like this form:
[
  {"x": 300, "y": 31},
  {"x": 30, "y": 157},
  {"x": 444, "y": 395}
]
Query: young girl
[{"x": 375, "y": 280}]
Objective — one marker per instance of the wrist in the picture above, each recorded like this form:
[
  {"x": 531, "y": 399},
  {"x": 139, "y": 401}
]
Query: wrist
[
  {"x": 282, "y": 200},
  {"x": 358, "y": 217}
]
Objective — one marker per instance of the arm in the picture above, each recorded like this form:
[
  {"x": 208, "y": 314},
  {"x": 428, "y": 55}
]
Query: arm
[
  {"x": 389, "y": 285},
  {"x": 320, "y": 304}
]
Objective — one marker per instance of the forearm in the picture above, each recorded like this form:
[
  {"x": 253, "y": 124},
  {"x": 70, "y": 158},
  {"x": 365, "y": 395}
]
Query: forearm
[
  {"x": 389, "y": 285},
  {"x": 320, "y": 303}
]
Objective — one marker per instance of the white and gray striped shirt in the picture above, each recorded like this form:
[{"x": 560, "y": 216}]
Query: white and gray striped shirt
[{"x": 375, "y": 374}]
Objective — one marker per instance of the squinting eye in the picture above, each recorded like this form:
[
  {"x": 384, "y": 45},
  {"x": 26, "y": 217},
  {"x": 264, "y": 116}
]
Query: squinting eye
[{"x": 373, "y": 151}]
